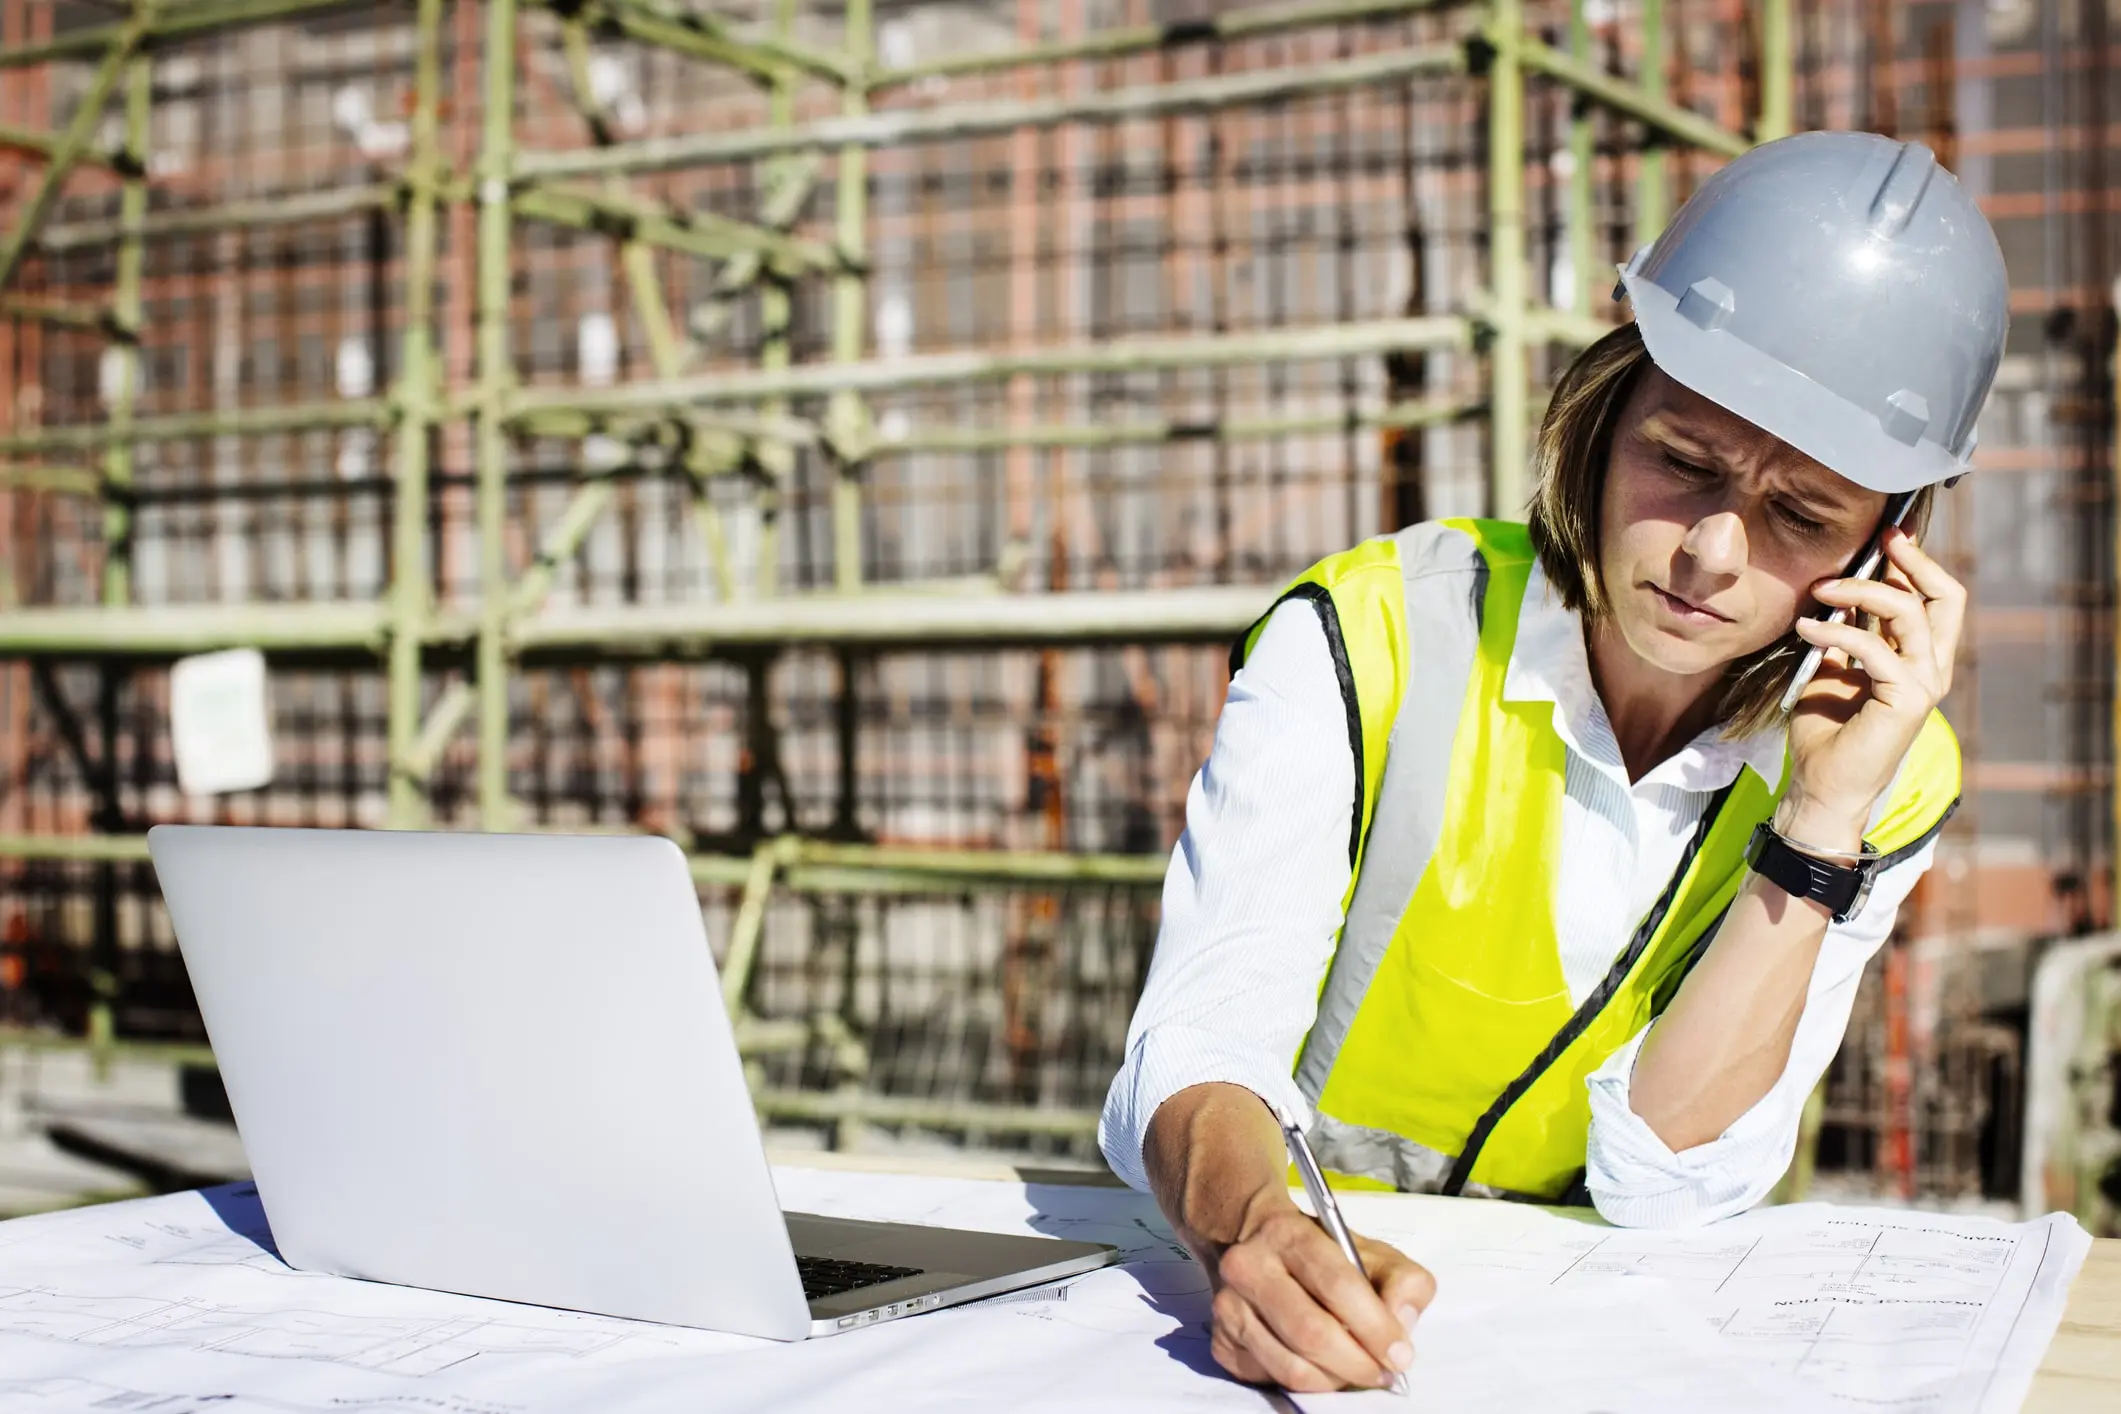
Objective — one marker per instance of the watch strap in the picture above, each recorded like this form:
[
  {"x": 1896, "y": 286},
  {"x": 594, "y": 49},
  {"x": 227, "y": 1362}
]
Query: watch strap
[{"x": 1840, "y": 888}]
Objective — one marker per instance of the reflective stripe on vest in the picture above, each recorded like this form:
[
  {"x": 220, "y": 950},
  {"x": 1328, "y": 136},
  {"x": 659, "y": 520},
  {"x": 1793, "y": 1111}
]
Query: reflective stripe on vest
[{"x": 1446, "y": 1055}]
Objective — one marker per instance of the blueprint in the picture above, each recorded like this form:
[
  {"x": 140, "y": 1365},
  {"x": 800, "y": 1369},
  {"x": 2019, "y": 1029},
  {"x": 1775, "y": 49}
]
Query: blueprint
[
  {"x": 1868, "y": 1308},
  {"x": 180, "y": 1305}
]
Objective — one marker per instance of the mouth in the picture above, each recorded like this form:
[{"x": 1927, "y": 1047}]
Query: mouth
[{"x": 1686, "y": 610}]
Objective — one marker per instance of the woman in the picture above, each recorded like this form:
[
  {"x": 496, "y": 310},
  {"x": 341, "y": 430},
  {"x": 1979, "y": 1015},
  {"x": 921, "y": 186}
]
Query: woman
[{"x": 1507, "y": 869}]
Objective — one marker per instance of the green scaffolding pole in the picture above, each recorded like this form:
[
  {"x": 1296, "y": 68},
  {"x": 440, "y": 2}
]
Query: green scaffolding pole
[
  {"x": 45, "y": 144},
  {"x": 1662, "y": 119},
  {"x": 1120, "y": 41},
  {"x": 1777, "y": 73},
  {"x": 776, "y": 312},
  {"x": 699, "y": 34},
  {"x": 1353, "y": 339},
  {"x": 1652, "y": 194},
  {"x": 117, "y": 531},
  {"x": 1508, "y": 393},
  {"x": 496, "y": 160},
  {"x": 241, "y": 422},
  {"x": 66, "y": 153},
  {"x": 172, "y": 25},
  {"x": 126, "y": 310},
  {"x": 288, "y": 210},
  {"x": 899, "y": 127},
  {"x": 850, "y": 307},
  {"x": 416, "y": 397},
  {"x": 1583, "y": 240}
]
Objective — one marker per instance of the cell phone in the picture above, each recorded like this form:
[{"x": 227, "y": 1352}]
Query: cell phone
[{"x": 1870, "y": 564}]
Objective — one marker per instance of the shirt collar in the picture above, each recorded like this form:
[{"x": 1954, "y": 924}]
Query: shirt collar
[{"x": 1550, "y": 664}]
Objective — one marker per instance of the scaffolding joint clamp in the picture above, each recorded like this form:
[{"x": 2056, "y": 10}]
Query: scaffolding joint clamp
[
  {"x": 1481, "y": 53},
  {"x": 1182, "y": 32},
  {"x": 618, "y": 225}
]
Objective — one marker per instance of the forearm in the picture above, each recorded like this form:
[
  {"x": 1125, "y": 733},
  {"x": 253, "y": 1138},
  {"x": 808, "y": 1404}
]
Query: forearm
[
  {"x": 1725, "y": 1040},
  {"x": 1214, "y": 1156}
]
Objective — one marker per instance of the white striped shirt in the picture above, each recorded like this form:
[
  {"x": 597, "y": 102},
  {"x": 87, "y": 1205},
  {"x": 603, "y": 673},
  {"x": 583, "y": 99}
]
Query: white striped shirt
[{"x": 1252, "y": 903}]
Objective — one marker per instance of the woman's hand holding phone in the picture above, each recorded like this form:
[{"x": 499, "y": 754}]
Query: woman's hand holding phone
[{"x": 1854, "y": 722}]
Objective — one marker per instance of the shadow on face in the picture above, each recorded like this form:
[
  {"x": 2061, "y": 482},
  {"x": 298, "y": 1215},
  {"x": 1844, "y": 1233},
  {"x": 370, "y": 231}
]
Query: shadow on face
[{"x": 1713, "y": 532}]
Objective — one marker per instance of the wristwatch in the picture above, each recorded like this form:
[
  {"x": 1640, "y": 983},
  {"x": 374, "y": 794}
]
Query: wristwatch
[{"x": 1842, "y": 887}]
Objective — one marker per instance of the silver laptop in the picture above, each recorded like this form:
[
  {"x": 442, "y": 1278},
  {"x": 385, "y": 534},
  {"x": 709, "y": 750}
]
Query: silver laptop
[{"x": 499, "y": 1065}]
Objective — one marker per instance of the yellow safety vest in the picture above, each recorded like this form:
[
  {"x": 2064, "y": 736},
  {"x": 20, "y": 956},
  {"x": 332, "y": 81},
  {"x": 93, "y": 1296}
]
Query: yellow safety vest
[{"x": 1445, "y": 1055}]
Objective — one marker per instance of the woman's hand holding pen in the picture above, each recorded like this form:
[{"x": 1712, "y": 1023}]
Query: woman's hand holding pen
[{"x": 1289, "y": 1309}]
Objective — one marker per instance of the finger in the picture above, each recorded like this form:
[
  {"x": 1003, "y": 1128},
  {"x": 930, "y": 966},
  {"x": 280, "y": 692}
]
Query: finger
[
  {"x": 1930, "y": 579},
  {"x": 1246, "y": 1346},
  {"x": 1233, "y": 1356},
  {"x": 1901, "y": 611},
  {"x": 1947, "y": 602},
  {"x": 1352, "y": 1302},
  {"x": 1890, "y": 673},
  {"x": 1294, "y": 1314},
  {"x": 1836, "y": 693}
]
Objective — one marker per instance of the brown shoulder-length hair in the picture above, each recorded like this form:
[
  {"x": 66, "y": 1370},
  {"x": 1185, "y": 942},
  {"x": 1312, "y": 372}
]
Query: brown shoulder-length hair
[{"x": 1569, "y": 462}]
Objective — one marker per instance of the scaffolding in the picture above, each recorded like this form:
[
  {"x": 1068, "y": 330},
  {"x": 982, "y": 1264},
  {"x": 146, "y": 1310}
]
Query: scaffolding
[{"x": 659, "y": 432}]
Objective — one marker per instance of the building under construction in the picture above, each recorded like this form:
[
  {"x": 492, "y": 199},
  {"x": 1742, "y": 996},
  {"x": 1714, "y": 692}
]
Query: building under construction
[{"x": 845, "y": 437}]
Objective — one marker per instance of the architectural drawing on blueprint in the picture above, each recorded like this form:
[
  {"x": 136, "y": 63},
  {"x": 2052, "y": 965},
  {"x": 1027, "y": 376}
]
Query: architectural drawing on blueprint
[
  {"x": 1865, "y": 1306},
  {"x": 67, "y": 1394},
  {"x": 413, "y": 1346}
]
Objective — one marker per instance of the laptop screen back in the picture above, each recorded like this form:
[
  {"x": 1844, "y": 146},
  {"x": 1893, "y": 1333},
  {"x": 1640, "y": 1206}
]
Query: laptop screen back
[{"x": 489, "y": 1064}]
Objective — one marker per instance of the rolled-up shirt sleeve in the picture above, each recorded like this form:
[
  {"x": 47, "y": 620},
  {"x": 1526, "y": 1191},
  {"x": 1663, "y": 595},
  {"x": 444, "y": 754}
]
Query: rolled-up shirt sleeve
[
  {"x": 1252, "y": 899},
  {"x": 1636, "y": 1181}
]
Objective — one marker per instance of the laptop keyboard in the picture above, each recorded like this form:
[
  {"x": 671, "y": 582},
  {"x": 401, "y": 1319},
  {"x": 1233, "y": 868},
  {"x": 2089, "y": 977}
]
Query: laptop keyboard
[{"x": 826, "y": 1276}]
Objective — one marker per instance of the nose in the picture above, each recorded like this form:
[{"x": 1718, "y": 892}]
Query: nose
[{"x": 1717, "y": 543}]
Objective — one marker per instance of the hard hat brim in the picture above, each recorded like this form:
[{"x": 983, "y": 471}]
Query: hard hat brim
[{"x": 1779, "y": 400}]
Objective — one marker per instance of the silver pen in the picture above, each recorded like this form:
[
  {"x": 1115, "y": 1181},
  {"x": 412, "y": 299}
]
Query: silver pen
[{"x": 1322, "y": 1202}]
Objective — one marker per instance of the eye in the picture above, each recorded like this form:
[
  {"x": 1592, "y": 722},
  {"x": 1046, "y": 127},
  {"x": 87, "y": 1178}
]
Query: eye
[
  {"x": 1686, "y": 470},
  {"x": 1797, "y": 521}
]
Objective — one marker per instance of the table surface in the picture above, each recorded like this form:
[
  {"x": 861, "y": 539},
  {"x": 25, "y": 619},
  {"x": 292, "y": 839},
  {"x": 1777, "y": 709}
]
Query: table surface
[
  {"x": 2082, "y": 1372},
  {"x": 2081, "y": 1375}
]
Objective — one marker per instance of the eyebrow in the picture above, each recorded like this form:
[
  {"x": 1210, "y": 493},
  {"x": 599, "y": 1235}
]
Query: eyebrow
[
  {"x": 1664, "y": 427},
  {"x": 1819, "y": 498}
]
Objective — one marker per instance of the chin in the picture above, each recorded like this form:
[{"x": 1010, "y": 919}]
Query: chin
[{"x": 1673, "y": 653}]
